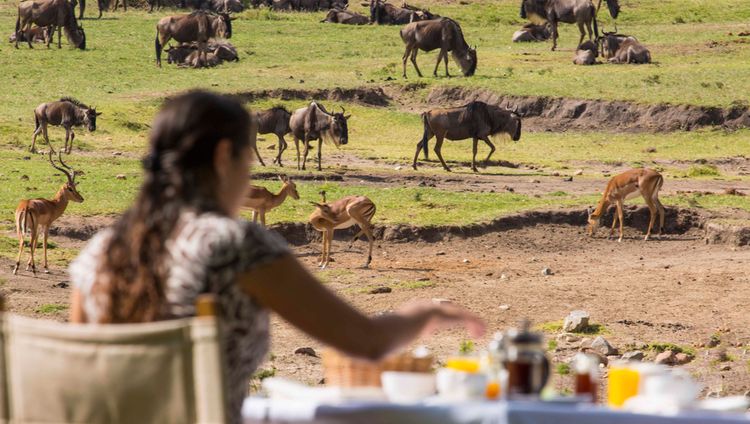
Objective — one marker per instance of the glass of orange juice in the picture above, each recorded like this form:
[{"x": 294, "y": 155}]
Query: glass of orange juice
[
  {"x": 622, "y": 385},
  {"x": 463, "y": 363}
]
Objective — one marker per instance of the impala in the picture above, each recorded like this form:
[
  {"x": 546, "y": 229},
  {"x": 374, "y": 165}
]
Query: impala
[
  {"x": 343, "y": 213},
  {"x": 34, "y": 213},
  {"x": 643, "y": 181},
  {"x": 260, "y": 200}
]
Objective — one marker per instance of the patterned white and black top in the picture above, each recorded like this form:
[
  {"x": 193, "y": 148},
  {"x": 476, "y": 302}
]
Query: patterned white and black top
[{"x": 206, "y": 255}]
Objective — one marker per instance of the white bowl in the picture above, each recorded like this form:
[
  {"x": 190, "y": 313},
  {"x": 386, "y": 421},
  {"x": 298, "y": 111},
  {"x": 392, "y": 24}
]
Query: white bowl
[
  {"x": 461, "y": 386},
  {"x": 407, "y": 387}
]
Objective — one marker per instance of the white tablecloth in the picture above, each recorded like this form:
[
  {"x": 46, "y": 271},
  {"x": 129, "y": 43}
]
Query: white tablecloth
[{"x": 260, "y": 410}]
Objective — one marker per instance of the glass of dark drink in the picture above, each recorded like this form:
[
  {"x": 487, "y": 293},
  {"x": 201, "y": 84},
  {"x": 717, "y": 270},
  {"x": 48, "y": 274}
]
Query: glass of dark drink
[{"x": 587, "y": 375}]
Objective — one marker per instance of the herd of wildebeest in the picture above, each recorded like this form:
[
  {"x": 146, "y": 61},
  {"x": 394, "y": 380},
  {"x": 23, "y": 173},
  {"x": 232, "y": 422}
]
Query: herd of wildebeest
[{"x": 202, "y": 36}]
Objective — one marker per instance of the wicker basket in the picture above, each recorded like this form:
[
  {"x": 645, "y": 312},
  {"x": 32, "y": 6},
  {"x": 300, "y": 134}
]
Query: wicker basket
[{"x": 344, "y": 371}]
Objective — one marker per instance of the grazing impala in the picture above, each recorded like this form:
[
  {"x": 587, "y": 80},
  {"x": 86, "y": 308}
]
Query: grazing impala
[
  {"x": 343, "y": 213},
  {"x": 260, "y": 200},
  {"x": 34, "y": 213},
  {"x": 643, "y": 181}
]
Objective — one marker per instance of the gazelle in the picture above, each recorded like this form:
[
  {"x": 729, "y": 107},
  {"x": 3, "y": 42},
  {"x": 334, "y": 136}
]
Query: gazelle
[
  {"x": 629, "y": 184},
  {"x": 343, "y": 213},
  {"x": 260, "y": 200},
  {"x": 34, "y": 213}
]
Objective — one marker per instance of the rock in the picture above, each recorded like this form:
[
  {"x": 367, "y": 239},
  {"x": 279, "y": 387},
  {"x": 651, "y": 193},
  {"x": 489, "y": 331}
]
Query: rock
[
  {"x": 746, "y": 394},
  {"x": 440, "y": 300},
  {"x": 568, "y": 338},
  {"x": 381, "y": 290},
  {"x": 601, "y": 358},
  {"x": 714, "y": 341},
  {"x": 635, "y": 355},
  {"x": 271, "y": 147},
  {"x": 441, "y": 253},
  {"x": 423, "y": 279},
  {"x": 121, "y": 177},
  {"x": 509, "y": 189},
  {"x": 466, "y": 261},
  {"x": 555, "y": 174},
  {"x": 722, "y": 356},
  {"x": 503, "y": 277},
  {"x": 602, "y": 346},
  {"x": 578, "y": 172},
  {"x": 27, "y": 158},
  {"x": 61, "y": 285},
  {"x": 731, "y": 191},
  {"x": 307, "y": 351},
  {"x": 725, "y": 368},
  {"x": 116, "y": 153},
  {"x": 547, "y": 271},
  {"x": 398, "y": 168},
  {"x": 713, "y": 394},
  {"x": 650, "y": 150},
  {"x": 534, "y": 181},
  {"x": 568, "y": 179},
  {"x": 504, "y": 307},
  {"x": 667, "y": 358},
  {"x": 611, "y": 358},
  {"x": 682, "y": 358},
  {"x": 24, "y": 177},
  {"x": 576, "y": 320}
]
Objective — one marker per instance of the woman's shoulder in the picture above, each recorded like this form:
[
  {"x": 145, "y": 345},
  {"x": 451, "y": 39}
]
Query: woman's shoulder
[
  {"x": 82, "y": 269},
  {"x": 218, "y": 235}
]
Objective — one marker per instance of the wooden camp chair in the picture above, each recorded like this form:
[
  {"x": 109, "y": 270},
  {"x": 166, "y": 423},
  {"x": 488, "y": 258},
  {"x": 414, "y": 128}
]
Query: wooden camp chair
[{"x": 160, "y": 372}]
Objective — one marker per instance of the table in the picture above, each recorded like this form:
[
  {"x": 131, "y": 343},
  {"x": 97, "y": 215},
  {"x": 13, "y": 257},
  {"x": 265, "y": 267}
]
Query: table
[{"x": 263, "y": 410}]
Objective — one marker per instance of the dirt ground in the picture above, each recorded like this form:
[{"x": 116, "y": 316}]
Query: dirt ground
[{"x": 674, "y": 290}]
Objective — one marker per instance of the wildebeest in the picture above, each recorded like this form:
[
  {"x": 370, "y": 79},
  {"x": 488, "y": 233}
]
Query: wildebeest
[
  {"x": 337, "y": 16},
  {"x": 586, "y": 53},
  {"x": 581, "y": 12},
  {"x": 218, "y": 6},
  {"x": 384, "y": 13},
  {"x": 628, "y": 51},
  {"x": 188, "y": 54},
  {"x": 308, "y": 5},
  {"x": 275, "y": 121},
  {"x": 531, "y": 32},
  {"x": 444, "y": 34},
  {"x": 315, "y": 123},
  {"x": 67, "y": 113},
  {"x": 102, "y": 4},
  {"x": 199, "y": 27},
  {"x": 37, "y": 34},
  {"x": 45, "y": 13},
  {"x": 612, "y": 41},
  {"x": 475, "y": 120}
]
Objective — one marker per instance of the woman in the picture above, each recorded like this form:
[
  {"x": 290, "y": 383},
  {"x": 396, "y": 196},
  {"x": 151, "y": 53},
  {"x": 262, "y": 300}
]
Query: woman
[{"x": 182, "y": 238}]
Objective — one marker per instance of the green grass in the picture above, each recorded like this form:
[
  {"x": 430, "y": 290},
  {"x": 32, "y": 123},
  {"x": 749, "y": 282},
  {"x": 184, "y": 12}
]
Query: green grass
[
  {"x": 51, "y": 309},
  {"x": 549, "y": 327},
  {"x": 662, "y": 347},
  {"x": 551, "y": 345},
  {"x": 557, "y": 326},
  {"x": 562, "y": 369}
]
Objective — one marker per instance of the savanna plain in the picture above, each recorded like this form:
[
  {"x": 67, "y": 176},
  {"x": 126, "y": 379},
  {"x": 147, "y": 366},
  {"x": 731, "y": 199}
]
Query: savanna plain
[{"x": 478, "y": 239}]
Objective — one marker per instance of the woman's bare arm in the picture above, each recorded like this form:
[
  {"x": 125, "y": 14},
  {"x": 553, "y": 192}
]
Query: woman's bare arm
[
  {"x": 77, "y": 315},
  {"x": 288, "y": 289}
]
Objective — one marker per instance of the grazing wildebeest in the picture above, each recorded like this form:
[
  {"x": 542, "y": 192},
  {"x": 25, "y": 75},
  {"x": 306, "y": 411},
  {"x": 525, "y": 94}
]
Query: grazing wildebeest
[
  {"x": 337, "y": 16},
  {"x": 476, "y": 120},
  {"x": 531, "y": 32},
  {"x": 444, "y": 34},
  {"x": 628, "y": 51},
  {"x": 581, "y": 12},
  {"x": 315, "y": 123},
  {"x": 199, "y": 27},
  {"x": 67, "y": 113},
  {"x": 45, "y": 13},
  {"x": 275, "y": 121},
  {"x": 384, "y": 13},
  {"x": 586, "y": 53},
  {"x": 218, "y": 6},
  {"x": 38, "y": 35}
]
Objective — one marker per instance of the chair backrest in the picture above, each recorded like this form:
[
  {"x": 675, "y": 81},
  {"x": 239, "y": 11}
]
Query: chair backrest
[{"x": 161, "y": 372}]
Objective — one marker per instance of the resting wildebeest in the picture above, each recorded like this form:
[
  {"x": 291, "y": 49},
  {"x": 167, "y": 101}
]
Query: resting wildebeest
[
  {"x": 612, "y": 41},
  {"x": 476, "y": 120},
  {"x": 199, "y": 27},
  {"x": 45, "y": 13},
  {"x": 336, "y": 16},
  {"x": 384, "y": 13},
  {"x": 581, "y": 12},
  {"x": 218, "y": 6},
  {"x": 67, "y": 113},
  {"x": 275, "y": 121},
  {"x": 628, "y": 51},
  {"x": 444, "y": 34},
  {"x": 188, "y": 54},
  {"x": 315, "y": 123},
  {"x": 37, "y": 34},
  {"x": 586, "y": 53},
  {"x": 531, "y": 32}
]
